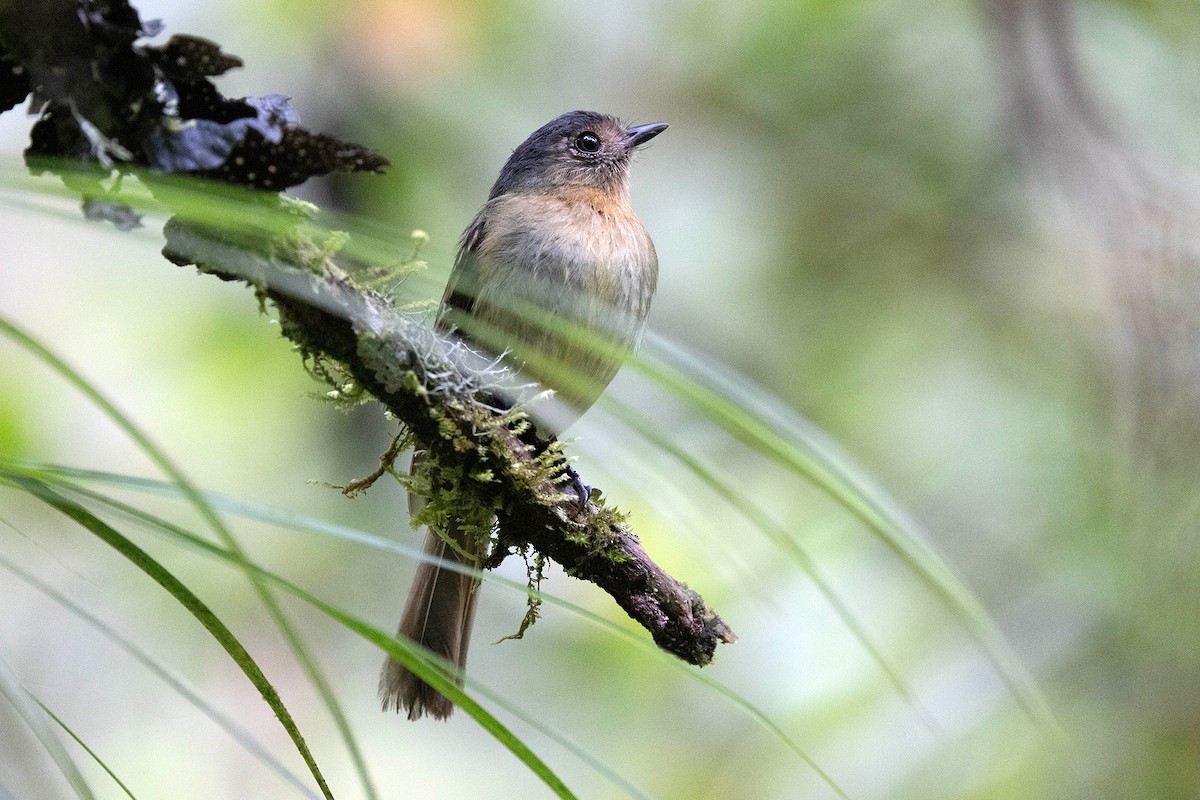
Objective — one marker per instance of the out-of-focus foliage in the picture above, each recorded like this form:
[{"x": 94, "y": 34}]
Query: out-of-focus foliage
[{"x": 840, "y": 215}]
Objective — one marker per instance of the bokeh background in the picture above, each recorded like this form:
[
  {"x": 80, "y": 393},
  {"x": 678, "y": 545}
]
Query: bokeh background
[{"x": 957, "y": 237}]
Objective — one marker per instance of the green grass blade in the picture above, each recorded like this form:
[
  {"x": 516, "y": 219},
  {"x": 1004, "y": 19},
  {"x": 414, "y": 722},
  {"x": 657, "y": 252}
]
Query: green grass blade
[
  {"x": 27, "y": 710},
  {"x": 162, "y": 526},
  {"x": 86, "y": 749},
  {"x": 306, "y": 660},
  {"x": 564, "y": 741},
  {"x": 299, "y": 523},
  {"x": 241, "y": 735},
  {"x": 729, "y": 402},
  {"x": 433, "y": 671},
  {"x": 724, "y": 401},
  {"x": 783, "y": 538},
  {"x": 238, "y": 733},
  {"x": 439, "y": 675},
  {"x": 184, "y": 596}
]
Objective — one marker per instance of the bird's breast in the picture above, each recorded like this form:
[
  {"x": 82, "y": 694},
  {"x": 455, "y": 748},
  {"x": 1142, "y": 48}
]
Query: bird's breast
[
  {"x": 581, "y": 257},
  {"x": 585, "y": 242}
]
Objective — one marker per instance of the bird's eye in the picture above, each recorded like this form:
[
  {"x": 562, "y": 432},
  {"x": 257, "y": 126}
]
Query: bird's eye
[{"x": 587, "y": 142}]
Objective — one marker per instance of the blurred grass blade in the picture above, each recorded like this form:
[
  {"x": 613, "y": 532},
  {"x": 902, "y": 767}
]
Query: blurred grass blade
[
  {"x": 231, "y": 210},
  {"x": 238, "y": 733},
  {"x": 291, "y": 521},
  {"x": 753, "y": 514},
  {"x": 25, "y": 705},
  {"x": 244, "y": 737},
  {"x": 306, "y": 660},
  {"x": 739, "y": 408},
  {"x": 180, "y": 534},
  {"x": 433, "y": 671},
  {"x": 736, "y": 405},
  {"x": 439, "y": 676},
  {"x": 572, "y": 747},
  {"x": 86, "y": 749},
  {"x": 181, "y": 593}
]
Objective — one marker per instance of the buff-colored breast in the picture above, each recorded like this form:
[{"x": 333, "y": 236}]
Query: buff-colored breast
[{"x": 585, "y": 258}]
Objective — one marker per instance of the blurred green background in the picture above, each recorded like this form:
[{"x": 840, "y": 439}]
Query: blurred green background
[{"x": 842, "y": 216}]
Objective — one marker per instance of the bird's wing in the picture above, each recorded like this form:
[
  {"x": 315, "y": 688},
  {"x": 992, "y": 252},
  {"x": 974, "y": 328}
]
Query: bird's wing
[{"x": 462, "y": 287}]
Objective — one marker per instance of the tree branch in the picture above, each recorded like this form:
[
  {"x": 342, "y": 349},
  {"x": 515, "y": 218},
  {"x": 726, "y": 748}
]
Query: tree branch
[{"x": 435, "y": 385}]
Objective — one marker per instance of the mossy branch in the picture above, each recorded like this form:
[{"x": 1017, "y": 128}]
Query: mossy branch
[{"x": 445, "y": 394}]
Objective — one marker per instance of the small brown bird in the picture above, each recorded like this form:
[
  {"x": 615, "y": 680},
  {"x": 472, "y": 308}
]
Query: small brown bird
[{"x": 558, "y": 235}]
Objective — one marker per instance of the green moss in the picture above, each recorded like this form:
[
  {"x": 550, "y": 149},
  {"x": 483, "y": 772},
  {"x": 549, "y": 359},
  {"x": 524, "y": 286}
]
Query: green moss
[
  {"x": 454, "y": 502},
  {"x": 386, "y": 279},
  {"x": 345, "y": 392},
  {"x": 535, "y": 569}
]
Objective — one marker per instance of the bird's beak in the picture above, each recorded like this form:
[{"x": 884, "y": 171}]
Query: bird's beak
[{"x": 640, "y": 134}]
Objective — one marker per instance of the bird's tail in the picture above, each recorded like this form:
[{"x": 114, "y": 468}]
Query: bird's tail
[{"x": 438, "y": 615}]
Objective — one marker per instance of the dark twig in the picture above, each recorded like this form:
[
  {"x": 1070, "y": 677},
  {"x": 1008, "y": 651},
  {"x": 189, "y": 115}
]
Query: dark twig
[{"x": 387, "y": 462}]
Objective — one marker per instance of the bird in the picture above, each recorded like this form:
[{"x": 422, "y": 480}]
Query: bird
[{"x": 557, "y": 237}]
